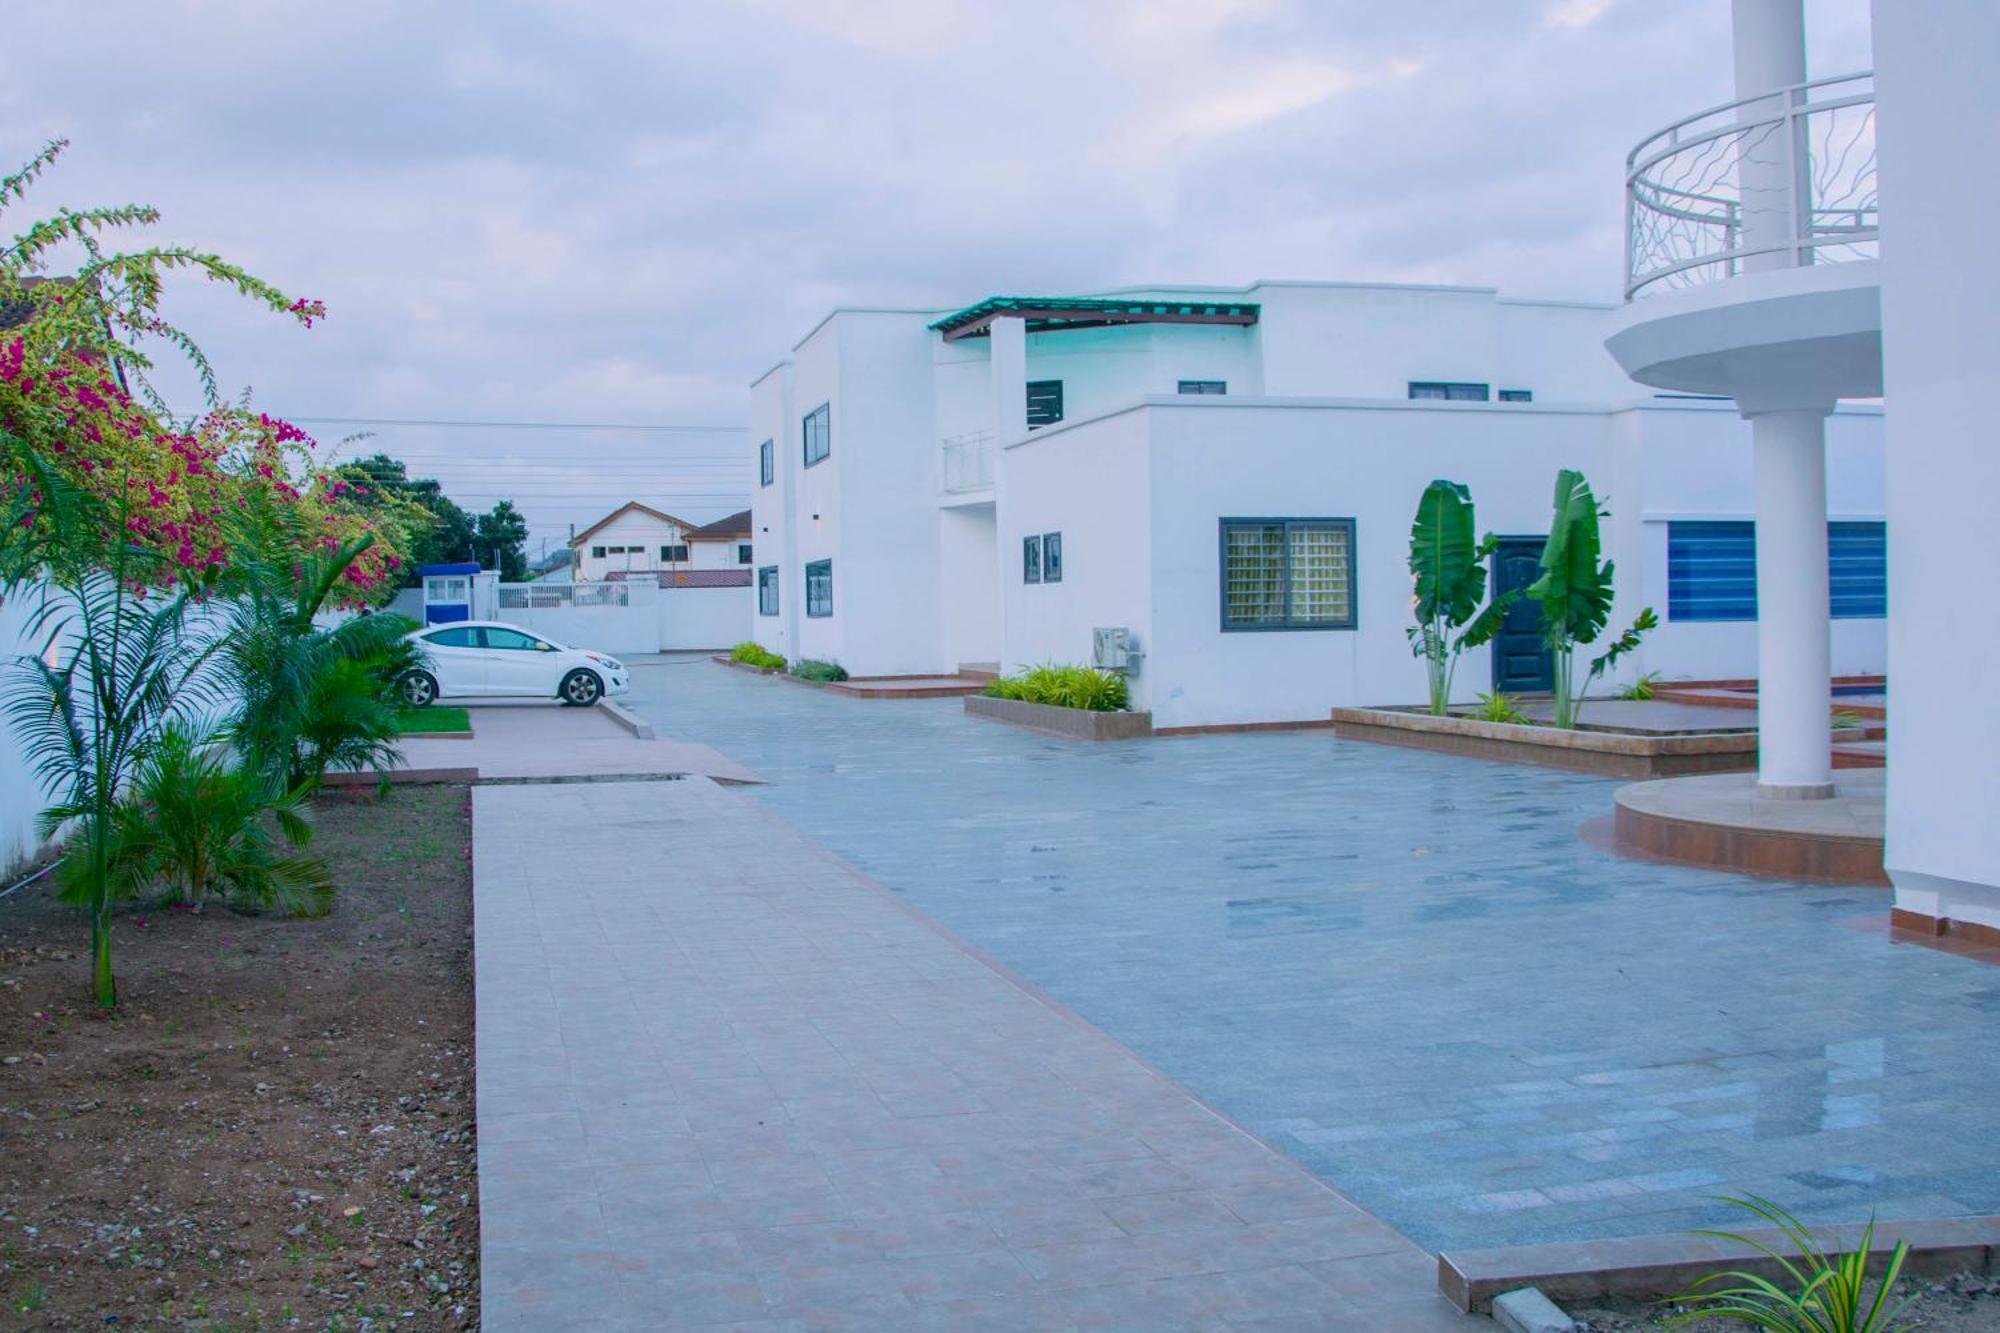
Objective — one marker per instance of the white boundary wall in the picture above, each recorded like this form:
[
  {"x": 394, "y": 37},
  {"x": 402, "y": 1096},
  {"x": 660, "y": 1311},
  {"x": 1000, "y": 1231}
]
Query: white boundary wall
[{"x": 20, "y": 801}]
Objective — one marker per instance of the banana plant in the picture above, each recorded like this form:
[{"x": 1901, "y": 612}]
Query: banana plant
[
  {"x": 1448, "y": 567},
  {"x": 1574, "y": 591}
]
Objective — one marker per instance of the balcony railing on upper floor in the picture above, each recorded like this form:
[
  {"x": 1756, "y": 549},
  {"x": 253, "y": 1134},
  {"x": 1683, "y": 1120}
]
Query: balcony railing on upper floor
[
  {"x": 1778, "y": 181},
  {"x": 967, "y": 464}
]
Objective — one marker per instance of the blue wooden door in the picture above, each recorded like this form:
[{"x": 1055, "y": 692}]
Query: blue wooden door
[{"x": 1522, "y": 663}]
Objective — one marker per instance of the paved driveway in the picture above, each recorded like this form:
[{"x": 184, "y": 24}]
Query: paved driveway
[{"x": 1405, "y": 970}]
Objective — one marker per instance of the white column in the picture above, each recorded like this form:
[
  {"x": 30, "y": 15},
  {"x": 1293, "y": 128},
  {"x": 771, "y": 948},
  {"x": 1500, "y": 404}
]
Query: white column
[
  {"x": 1009, "y": 338},
  {"x": 1794, "y": 654},
  {"x": 1769, "y": 41}
]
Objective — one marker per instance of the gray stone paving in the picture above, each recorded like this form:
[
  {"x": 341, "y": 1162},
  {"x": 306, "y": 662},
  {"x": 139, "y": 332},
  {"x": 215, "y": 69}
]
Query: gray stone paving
[
  {"x": 1405, "y": 970},
  {"x": 726, "y": 1082}
]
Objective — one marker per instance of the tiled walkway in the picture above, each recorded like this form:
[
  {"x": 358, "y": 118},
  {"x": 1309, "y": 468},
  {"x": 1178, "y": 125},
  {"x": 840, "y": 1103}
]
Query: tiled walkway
[
  {"x": 725, "y": 1081},
  {"x": 1405, "y": 970}
]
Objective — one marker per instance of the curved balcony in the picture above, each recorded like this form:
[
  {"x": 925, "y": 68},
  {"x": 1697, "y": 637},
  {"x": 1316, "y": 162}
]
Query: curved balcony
[{"x": 1784, "y": 180}]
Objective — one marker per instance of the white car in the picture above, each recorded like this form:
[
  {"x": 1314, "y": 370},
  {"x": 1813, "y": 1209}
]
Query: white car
[{"x": 489, "y": 658}]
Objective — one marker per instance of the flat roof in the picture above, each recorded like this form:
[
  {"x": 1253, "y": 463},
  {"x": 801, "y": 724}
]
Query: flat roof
[{"x": 1045, "y": 314}]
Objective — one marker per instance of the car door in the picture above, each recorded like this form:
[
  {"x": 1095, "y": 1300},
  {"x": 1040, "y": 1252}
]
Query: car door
[
  {"x": 457, "y": 659},
  {"x": 518, "y": 663}
]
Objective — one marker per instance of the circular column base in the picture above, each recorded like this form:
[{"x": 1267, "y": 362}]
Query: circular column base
[
  {"x": 1797, "y": 791},
  {"x": 1729, "y": 821}
]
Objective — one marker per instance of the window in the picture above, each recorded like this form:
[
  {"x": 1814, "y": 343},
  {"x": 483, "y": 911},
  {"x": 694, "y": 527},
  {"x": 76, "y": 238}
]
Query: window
[
  {"x": 1045, "y": 406},
  {"x": 1857, "y": 557},
  {"x": 1031, "y": 559},
  {"x": 1517, "y": 395},
  {"x": 818, "y": 426},
  {"x": 597, "y": 552},
  {"x": 673, "y": 555},
  {"x": 1712, "y": 570},
  {"x": 1452, "y": 393},
  {"x": 511, "y": 640},
  {"x": 743, "y": 553},
  {"x": 459, "y": 637},
  {"x": 819, "y": 589},
  {"x": 767, "y": 463},
  {"x": 767, "y": 591},
  {"x": 1052, "y": 557},
  {"x": 1287, "y": 573},
  {"x": 1204, "y": 386}
]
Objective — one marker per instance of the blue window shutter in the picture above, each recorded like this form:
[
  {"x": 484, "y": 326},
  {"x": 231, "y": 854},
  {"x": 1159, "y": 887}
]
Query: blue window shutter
[
  {"x": 1858, "y": 570},
  {"x": 1711, "y": 571}
]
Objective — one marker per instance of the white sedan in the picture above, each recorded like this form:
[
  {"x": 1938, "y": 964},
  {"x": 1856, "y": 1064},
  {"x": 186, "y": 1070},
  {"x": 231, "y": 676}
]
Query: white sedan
[{"x": 488, "y": 658}]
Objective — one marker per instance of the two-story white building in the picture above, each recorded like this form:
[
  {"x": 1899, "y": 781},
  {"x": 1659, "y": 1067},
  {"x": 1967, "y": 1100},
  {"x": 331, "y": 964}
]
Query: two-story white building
[
  {"x": 638, "y": 539},
  {"x": 1230, "y": 476}
]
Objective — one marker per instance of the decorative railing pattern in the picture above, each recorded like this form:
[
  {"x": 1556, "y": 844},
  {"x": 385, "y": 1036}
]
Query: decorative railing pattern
[
  {"x": 967, "y": 462},
  {"x": 1777, "y": 181}
]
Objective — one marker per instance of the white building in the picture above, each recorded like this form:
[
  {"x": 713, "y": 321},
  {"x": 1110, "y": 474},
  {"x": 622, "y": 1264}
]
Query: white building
[
  {"x": 991, "y": 484},
  {"x": 1762, "y": 266},
  {"x": 638, "y": 539}
]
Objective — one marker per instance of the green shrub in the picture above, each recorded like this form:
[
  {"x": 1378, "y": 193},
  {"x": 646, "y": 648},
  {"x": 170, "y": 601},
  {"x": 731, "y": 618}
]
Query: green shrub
[
  {"x": 756, "y": 655},
  {"x": 1066, "y": 687},
  {"x": 811, "y": 668},
  {"x": 1498, "y": 707},
  {"x": 1818, "y": 1291},
  {"x": 1641, "y": 689}
]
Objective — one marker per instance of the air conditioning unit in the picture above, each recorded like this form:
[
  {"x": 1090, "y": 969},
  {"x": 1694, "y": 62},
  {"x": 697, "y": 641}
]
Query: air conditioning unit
[{"x": 1115, "y": 650}]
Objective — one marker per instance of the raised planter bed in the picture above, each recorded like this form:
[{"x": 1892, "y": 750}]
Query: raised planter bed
[
  {"x": 735, "y": 665},
  {"x": 1623, "y": 754},
  {"x": 1075, "y": 724}
]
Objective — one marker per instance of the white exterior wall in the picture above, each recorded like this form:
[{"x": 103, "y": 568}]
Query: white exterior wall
[
  {"x": 628, "y": 529},
  {"x": 816, "y": 515},
  {"x": 712, "y": 553},
  {"x": 1940, "y": 329},
  {"x": 690, "y": 618},
  {"x": 1093, "y": 484},
  {"x": 20, "y": 798},
  {"x": 773, "y": 527}
]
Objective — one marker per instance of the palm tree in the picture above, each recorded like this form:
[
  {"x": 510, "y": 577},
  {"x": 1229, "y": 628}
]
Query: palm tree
[
  {"x": 312, "y": 696},
  {"x": 130, "y": 663}
]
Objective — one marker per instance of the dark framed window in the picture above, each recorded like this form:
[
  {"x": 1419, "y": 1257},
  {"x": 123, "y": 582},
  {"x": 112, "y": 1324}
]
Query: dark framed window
[
  {"x": 1287, "y": 573},
  {"x": 1857, "y": 566},
  {"x": 597, "y": 553},
  {"x": 1517, "y": 395},
  {"x": 1031, "y": 559},
  {"x": 675, "y": 555},
  {"x": 819, "y": 589},
  {"x": 1203, "y": 386},
  {"x": 1712, "y": 570},
  {"x": 818, "y": 430},
  {"x": 1045, "y": 403},
  {"x": 767, "y": 591},
  {"x": 1449, "y": 391},
  {"x": 1052, "y": 557},
  {"x": 743, "y": 553},
  {"x": 767, "y": 463}
]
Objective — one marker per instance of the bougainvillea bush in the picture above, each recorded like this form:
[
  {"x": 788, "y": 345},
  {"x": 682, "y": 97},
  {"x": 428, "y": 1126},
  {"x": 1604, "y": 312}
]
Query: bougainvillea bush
[{"x": 78, "y": 408}]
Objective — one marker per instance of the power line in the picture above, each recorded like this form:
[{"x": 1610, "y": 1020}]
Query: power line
[{"x": 506, "y": 425}]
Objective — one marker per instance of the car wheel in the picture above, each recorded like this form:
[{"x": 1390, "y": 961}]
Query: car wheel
[
  {"x": 581, "y": 688},
  {"x": 420, "y": 688}
]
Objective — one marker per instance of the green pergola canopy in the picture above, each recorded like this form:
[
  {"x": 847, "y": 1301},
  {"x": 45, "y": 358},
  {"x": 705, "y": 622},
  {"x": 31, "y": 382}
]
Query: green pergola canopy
[{"x": 1045, "y": 314}]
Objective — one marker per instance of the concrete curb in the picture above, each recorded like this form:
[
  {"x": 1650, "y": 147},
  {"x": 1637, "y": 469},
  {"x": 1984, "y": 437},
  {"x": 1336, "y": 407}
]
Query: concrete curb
[{"x": 638, "y": 726}]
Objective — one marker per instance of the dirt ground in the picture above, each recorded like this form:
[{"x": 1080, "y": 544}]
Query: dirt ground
[
  {"x": 276, "y": 1128},
  {"x": 1964, "y": 1304}
]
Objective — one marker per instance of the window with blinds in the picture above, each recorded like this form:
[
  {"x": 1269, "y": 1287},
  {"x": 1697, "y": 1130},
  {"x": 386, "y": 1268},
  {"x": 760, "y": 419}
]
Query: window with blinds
[
  {"x": 1450, "y": 391},
  {"x": 767, "y": 591},
  {"x": 1287, "y": 573},
  {"x": 1712, "y": 570}
]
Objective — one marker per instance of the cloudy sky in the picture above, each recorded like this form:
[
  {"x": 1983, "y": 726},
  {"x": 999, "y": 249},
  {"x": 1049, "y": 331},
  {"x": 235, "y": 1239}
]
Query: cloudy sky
[{"x": 617, "y": 212}]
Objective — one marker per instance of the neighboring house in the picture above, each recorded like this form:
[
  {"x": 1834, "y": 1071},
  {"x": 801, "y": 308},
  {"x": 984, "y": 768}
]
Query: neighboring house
[
  {"x": 1229, "y": 474},
  {"x": 638, "y": 539},
  {"x": 723, "y": 544}
]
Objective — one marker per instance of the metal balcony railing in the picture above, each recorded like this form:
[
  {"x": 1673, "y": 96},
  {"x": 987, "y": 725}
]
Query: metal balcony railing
[
  {"x": 967, "y": 464},
  {"x": 1777, "y": 181}
]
